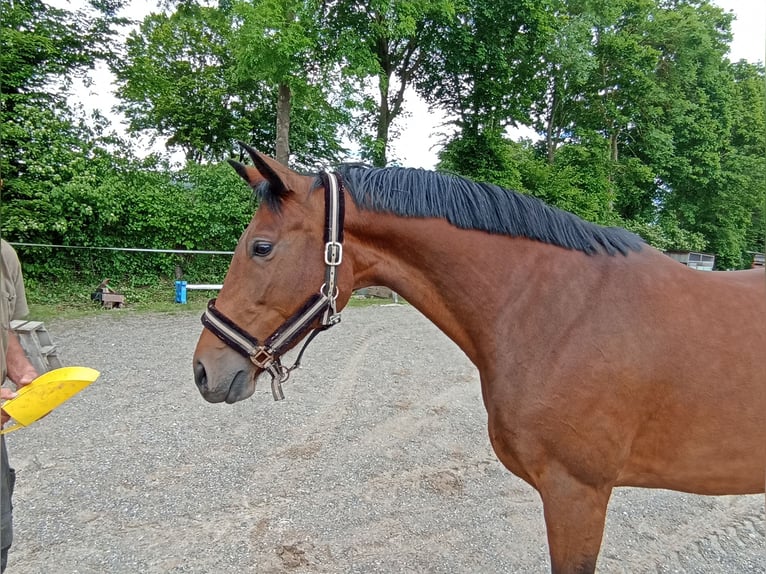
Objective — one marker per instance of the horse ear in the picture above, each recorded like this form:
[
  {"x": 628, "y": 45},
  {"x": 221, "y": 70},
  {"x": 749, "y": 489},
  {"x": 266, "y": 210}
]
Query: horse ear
[
  {"x": 249, "y": 174},
  {"x": 265, "y": 170}
]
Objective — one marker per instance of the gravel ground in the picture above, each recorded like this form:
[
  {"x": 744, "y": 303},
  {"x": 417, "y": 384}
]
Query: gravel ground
[{"x": 378, "y": 461}]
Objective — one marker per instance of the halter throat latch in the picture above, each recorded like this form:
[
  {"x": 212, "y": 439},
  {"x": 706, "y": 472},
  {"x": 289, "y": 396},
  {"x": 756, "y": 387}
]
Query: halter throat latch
[{"x": 322, "y": 305}]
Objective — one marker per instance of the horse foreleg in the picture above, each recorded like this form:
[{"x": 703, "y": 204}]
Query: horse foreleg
[{"x": 574, "y": 518}]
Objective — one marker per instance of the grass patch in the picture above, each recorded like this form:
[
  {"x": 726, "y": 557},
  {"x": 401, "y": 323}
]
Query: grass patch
[
  {"x": 58, "y": 302},
  {"x": 49, "y": 303}
]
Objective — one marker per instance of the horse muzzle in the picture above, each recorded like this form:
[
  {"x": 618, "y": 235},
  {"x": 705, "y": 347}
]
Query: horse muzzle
[{"x": 229, "y": 385}]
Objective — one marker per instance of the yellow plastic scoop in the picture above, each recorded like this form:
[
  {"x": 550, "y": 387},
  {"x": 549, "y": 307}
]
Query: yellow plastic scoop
[{"x": 45, "y": 393}]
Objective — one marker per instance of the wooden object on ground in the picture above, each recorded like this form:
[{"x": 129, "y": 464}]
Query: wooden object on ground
[{"x": 37, "y": 344}]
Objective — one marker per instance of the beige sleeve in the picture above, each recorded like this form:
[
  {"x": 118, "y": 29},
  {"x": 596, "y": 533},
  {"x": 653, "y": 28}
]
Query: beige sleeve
[{"x": 15, "y": 281}]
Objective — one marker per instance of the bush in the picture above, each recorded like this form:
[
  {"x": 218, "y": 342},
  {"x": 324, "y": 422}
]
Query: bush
[{"x": 130, "y": 206}]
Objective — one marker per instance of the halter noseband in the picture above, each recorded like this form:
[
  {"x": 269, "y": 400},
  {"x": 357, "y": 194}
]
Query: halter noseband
[{"x": 321, "y": 305}]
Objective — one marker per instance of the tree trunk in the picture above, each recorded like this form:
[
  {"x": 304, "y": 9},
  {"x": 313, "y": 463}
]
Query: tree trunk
[
  {"x": 550, "y": 143},
  {"x": 379, "y": 158},
  {"x": 284, "y": 103}
]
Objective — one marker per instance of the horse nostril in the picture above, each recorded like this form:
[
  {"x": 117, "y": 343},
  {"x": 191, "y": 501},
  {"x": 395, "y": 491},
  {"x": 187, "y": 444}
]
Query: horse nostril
[{"x": 200, "y": 376}]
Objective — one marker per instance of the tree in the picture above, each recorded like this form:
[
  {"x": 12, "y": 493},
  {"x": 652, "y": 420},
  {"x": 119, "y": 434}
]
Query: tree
[
  {"x": 277, "y": 44},
  {"x": 567, "y": 63},
  {"x": 41, "y": 50},
  {"x": 391, "y": 41},
  {"x": 487, "y": 157},
  {"x": 42, "y": 45},
  {"x": 578, "y": 181},
  {"x": 652, "y": 80},
  {"x": 176, "y": 82},
  {"x": 204, "y": 77},
  {"x": 738, "y": 227},
  {"x": 517, "y": 63},
  {"x": 485, "y": 70},
  {"x": 693, "y": 129},
  {"x": 600, "y": 76}
]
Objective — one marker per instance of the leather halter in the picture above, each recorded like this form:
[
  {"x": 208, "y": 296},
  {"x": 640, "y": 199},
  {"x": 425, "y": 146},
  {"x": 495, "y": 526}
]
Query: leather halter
[{"x": 267, "y": 356}]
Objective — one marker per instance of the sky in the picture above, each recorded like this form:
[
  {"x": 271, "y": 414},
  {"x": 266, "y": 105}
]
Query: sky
[{"x": 420, "y": 132}]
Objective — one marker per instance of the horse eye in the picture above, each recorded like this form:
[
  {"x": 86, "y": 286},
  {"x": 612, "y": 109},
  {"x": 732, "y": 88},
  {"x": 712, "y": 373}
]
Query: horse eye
[{"x": 261, "y": 248}]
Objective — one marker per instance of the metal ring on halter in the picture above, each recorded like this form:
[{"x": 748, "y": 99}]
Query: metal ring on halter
[{"x": 334, "y": 296}]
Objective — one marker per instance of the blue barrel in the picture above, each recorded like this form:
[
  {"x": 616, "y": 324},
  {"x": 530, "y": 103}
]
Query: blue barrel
[{"x": 181, "y": 292}]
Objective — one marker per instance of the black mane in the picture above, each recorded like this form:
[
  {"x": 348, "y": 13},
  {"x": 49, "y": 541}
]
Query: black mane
[
  {"x": 263, "y": 193},
  {"x": 419, "y": 193}
]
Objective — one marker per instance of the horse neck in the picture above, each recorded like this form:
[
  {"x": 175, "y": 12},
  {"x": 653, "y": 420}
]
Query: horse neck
[{"x": 467, "y": 282}]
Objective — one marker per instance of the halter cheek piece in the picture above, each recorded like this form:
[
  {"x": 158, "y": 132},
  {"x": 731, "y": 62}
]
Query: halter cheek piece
[{"x": 321, "y": 305}]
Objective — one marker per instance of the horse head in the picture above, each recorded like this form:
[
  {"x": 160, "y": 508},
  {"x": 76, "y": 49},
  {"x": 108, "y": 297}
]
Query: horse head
[{"x": 285, "y": 281}]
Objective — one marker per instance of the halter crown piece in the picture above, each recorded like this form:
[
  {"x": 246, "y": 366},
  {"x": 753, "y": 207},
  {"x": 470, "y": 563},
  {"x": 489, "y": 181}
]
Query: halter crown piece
[{"x": 322, "y": 305}]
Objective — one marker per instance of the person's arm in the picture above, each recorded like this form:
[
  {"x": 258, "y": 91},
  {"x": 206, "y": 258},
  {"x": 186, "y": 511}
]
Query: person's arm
[
  {"x": 20, "y": 371},
  {"x": 18, "y": 368}
]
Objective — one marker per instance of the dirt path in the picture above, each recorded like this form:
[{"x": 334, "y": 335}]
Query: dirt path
[{"x": 378, "y": 461}]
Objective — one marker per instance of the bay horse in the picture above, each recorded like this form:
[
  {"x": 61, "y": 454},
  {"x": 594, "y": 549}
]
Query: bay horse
[{"x": 603, "y": 362}]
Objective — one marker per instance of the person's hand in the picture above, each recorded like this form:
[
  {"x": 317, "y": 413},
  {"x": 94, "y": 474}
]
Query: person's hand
[
  {"x": 28, "y": 376},
  {"x": 5, "y": 394}
]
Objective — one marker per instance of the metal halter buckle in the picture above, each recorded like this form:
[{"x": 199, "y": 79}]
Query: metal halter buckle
[
  {"x": 262, "y": 357},
  {"x": 333, "y": 253}
]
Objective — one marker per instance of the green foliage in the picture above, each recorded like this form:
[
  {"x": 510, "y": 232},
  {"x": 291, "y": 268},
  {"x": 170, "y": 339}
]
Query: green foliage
[
  {"x": 579, "y": 181},
  {"x": 486, "y": 67},
  {"x": 204, "y": 77},
  {"x": 746, "y": 163},
  {"x": 388, "y": 44},
  {"x": 666, "y": 235},
  {"x": 199, "y": 208},
  {"x": 486, "y": 157},
  {"x": 651, "y": 80},
  {"x": 40, "y": 44},
  {"x": 176, "y": 82},
  {"x": 41, "y": 50},
  {"x": 277, "y": 46},
  {"x": 276, "y": 38},
  {"x": 597, "y": 91},
  {"x": 711, "y": 181}
]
